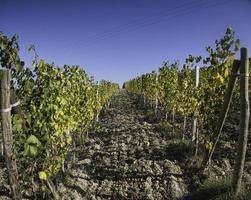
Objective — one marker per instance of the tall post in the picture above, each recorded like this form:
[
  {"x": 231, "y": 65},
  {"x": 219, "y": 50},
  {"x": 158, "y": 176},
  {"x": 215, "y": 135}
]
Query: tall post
[
  {"x": 244, "y": 122},
  {"x": 1, "y": 145},
  {"x": 6, "y": 127},
  {"x": 195, "y": 136},
  {"x": 97, "y": 97},
  {"x": 156, "y": 94}
]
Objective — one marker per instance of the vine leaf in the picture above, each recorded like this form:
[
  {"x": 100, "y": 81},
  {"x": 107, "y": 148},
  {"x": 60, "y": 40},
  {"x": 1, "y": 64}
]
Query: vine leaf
[{"x": 42, "y": 175}]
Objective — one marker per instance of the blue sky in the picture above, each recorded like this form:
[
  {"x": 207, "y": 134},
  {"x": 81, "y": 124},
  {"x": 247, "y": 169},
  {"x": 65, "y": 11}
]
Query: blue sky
[{"x": 119, "y": 39}]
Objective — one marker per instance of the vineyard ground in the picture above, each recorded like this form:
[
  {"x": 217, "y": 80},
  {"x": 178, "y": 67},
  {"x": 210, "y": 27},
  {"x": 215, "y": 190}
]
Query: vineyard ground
[
  {"x": 125, "y": 159},
  {"x": 133, "y": 156}
]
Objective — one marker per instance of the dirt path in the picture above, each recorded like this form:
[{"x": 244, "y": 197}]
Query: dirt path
[{"x": 124, "y": 159}]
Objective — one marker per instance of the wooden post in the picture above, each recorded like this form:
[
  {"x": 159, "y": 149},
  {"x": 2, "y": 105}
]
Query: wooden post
[
  {"x": 1, "y": 145},
  {"x": 6, "y": 127},
  {"x": 195, "y": 131},
  {"x": 244, "y": 122},
  {"x": 156, "y": 95},
  {"x": 224, "y": 112},
  {"x": 97, "y": 117},
  {"x": 166, "y": 115},
  {"x": 173, "y": 119},
  {"x": 74, "y": 148},
  {"x": 97, "y": 96},
  {"x": 184, "y": 127},
  {"x": 144, "y": 101}
]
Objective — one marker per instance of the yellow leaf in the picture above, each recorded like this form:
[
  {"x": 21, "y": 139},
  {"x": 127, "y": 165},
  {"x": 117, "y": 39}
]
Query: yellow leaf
[
  {"x": 220, "y": 78},
  {"x": 42, "y": 175},
  {"x": 69, "y": 140},
  {"x": 226, "y": 72}
]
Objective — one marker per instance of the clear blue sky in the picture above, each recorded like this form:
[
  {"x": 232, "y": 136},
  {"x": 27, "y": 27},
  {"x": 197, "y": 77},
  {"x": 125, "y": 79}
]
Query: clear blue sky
[{"x": 120, "y": 39}]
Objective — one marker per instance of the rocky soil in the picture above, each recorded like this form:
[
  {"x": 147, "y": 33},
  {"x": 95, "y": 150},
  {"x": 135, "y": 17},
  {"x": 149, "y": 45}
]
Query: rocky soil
[{"x": 125, "y": 159}]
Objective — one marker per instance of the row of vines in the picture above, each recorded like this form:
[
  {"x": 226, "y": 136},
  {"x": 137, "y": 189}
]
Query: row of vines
[
  {"x": 173, "y": 88},
  {"x": 58, "y": 105}
]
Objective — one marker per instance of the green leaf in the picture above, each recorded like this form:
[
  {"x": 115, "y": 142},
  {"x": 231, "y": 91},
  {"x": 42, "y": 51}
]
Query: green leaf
[
  {"x": 3, "y": 46},
  {"x": 229, "y": 30},
  {"x": 33, "y": 140},
  {"x": 30, "y": 150},
  {"x": 17, "y": 123},
  {"x": 31, "y": 146},
  {"x": 237, "y": 45}
]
